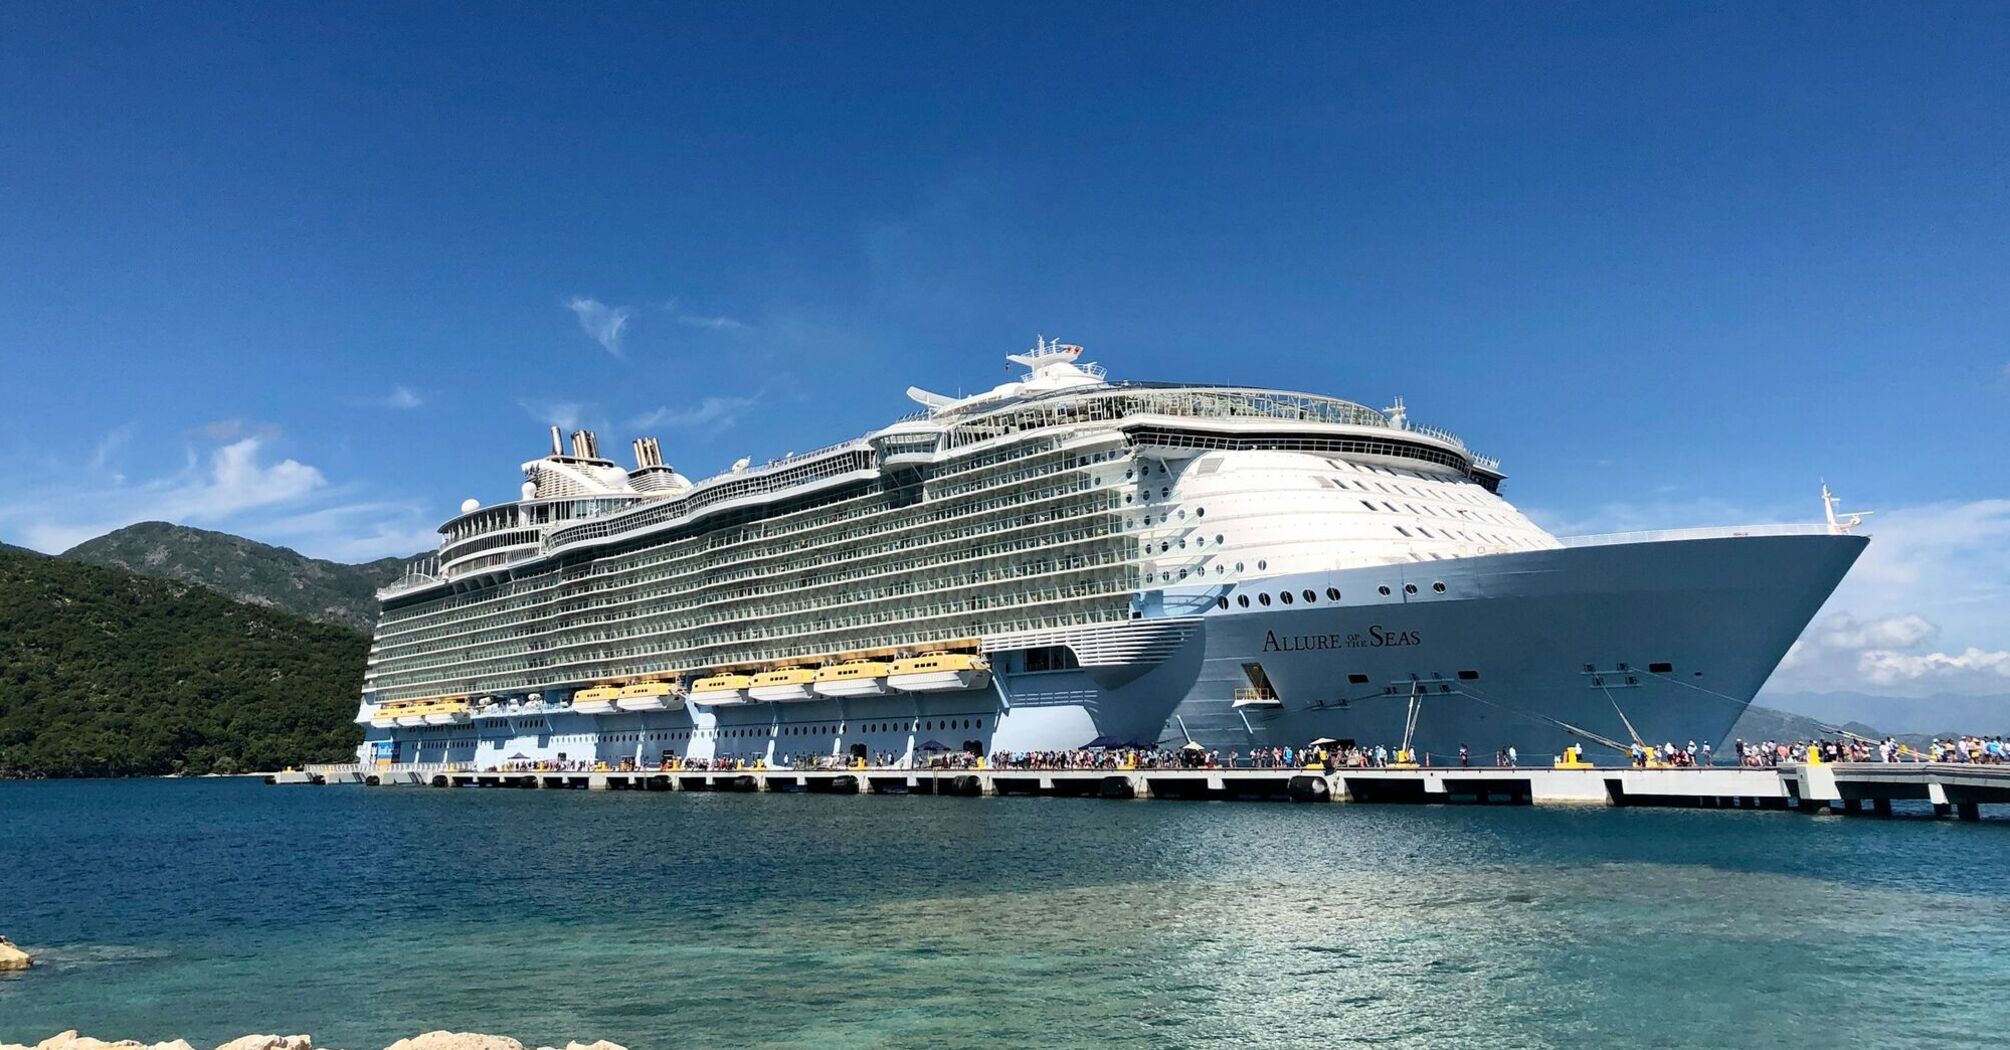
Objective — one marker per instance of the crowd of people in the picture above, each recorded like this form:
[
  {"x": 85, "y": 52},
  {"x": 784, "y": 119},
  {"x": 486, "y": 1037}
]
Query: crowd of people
[{"x": 1321, "y": 754}]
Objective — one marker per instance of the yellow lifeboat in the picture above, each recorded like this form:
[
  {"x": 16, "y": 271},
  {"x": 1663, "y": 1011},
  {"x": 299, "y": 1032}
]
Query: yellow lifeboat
[
  {"x": 939, "y": 672},
  {"x": 385, "y": 716},
  {"x": 782, "y": 686},
  {"x": 648, "y": 696},
  {"x": 857, "y": 678},
  {"x": 720, "y": 690},
  {"x": 447, "y": 712},
  {"x": 413, "y": 715},
  {"x": 595, "y": 701}
]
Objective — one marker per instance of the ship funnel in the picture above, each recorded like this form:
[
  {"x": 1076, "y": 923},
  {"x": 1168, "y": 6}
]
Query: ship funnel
[
  {"x": 557, "y": 448},
  {"x": 585, "y": 445},
  {"x": 647, "y": 453}
]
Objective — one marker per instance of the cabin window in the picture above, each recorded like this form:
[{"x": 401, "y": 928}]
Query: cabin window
[
  {"x": 1332, "y": 594},
  {"x": 1469, "y": 676},
  {"x": 1263, "y": 599},
  {"x": 1660, "y": 668}
]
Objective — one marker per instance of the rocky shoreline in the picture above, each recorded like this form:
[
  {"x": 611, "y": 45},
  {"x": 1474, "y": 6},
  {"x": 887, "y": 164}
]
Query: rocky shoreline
[{"x": 430, "y": 1041}]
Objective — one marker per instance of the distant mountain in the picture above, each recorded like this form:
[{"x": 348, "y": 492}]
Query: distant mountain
[
  {"x": 246, "y": 570},
  {"x": 1940, "y": 714},
  {"x": 107, "y": 673},
  {"x": 1766, "y": 723}
]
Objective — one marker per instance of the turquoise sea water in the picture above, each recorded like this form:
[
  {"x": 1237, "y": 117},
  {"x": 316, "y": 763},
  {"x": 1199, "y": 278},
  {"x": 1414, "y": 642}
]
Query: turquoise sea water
[{"x": 210, "y": 909}]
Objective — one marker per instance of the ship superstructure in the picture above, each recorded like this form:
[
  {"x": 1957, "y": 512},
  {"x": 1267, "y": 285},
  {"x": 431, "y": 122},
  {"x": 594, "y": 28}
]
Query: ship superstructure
[{"x": 1059, "y": 559}]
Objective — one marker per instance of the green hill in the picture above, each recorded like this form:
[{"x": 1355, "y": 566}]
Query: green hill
[
  {"x": 246, "y": 570},
  {"x": 107, "y": 673}
]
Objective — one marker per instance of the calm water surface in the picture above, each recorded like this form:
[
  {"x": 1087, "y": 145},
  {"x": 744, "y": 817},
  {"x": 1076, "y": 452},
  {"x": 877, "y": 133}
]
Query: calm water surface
[{"x": 208, "y": 909}]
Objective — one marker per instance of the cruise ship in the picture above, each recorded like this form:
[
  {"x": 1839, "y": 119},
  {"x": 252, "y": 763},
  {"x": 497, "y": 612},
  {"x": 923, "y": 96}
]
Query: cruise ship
[{"x": 1066, "y": 561}]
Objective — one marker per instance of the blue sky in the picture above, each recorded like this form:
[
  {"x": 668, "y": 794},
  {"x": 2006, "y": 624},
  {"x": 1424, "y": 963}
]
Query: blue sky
[{"x": 316, "y": 273}]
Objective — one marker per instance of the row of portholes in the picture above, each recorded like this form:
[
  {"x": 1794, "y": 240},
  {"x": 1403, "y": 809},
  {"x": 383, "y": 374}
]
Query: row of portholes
[{"x": 1310, "y": 596}]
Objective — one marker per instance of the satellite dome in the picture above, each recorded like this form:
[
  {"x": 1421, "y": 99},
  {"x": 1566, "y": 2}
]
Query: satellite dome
[{"x": 468, "y": 506}]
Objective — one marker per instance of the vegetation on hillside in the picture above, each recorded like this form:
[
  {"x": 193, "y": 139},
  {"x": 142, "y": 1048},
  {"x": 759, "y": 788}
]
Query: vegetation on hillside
[
  {"x": 246, "y": 570},
  {"x": 107, "y": 673}
]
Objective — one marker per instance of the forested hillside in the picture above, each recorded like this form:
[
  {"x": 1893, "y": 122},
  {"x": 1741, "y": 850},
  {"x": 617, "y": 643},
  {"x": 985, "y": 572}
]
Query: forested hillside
[
  {"x": 246, "y": 570},
  {"x": 107, "y": 673}
]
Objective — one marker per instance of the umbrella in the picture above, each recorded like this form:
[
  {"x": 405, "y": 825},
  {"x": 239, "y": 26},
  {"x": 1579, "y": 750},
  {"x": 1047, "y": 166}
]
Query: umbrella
[
  {"x": 1192, "y": 746},
  {"x": 518, "y": 757},
  {"x": 1104, "y": 741},
  {"x": 934, "y": 745},
  {"x": 1324, "y": 741}
]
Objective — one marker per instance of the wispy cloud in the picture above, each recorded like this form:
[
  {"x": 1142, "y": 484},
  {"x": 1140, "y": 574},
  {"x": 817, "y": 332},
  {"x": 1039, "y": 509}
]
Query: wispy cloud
[
  {"x": 712, "y": 322},
  {"x": 565, "y": 415},
  {"x": 718, "y": 412},
  {"x": 605, "y": 324},
  {"x": 402, "y": 396},
  {"x": 110, "y": 445}
]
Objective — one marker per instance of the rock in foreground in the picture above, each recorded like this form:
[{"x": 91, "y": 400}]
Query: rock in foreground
[{"x": 12, "y": 957}]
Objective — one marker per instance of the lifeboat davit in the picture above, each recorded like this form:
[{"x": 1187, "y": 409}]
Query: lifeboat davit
[
  {"x": 597, "y": 701},
  {"x": 720, "y": 690},
  {"x": 858, "y": 678},
  {"x": 939, "y": 672},
  {"x": 783, "y": 686},
  {"x": 648, "y": 696}
]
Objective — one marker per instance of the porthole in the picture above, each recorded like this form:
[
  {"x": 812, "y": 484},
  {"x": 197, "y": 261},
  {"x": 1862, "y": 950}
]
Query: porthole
[
  {"x": 1221, "y": 602},
  {"x": 1309, "y": 596},
  {"x": 1127, "y": 497},
  {"x": 1218, "y": 538},
  {"x": 1164, "y": 492},
  {"x": 1439, "y": 586},
  {"x": 1129, "y": 474},
  {"x": 1261, "y": 565},
  {"x": 1409, "y": 588},
  {"x": 1182, "y": 515},
  {"x": 1164, "y": 546},
  {"x": 1263, "y": 599},
  {"x": 1284, "y": 596},
  {"x": 1238, "y": 566},
  {"x": 1219, "y": 568},
  {"x": 1200, "y": 512},
  {"x": 1383, "y": 590},
  {"x": 1242, "y": 600}
]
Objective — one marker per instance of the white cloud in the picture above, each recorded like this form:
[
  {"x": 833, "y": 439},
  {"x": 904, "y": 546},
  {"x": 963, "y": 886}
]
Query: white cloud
[
  {"x": 1931, "y": 572},
  {"x": 234, "y": 478},
  {"x": 606, "y": 324},
  {"x": 402, "y": 396},
  {"x": 719, "y": 412}
]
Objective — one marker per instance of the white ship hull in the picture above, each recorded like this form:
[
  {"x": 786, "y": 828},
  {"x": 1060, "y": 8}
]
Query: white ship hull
[{"x": 940, "y": 681}]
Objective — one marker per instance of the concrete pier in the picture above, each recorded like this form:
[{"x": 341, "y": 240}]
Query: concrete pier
[{"x": 1951, "y": 789}]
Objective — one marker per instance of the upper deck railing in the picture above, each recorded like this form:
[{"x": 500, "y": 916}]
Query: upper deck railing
[{"x": 1708, "y": 533}]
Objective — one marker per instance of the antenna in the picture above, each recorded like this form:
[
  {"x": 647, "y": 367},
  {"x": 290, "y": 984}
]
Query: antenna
[{"x": 1840, "y": 524}]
